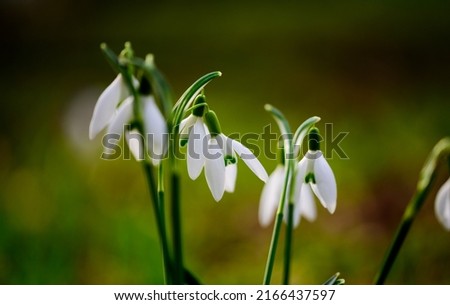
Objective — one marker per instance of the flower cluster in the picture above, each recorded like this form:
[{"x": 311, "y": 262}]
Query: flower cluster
[
  {"x": 138, "y": 118},
  {"x": 114, "y": 111},
  {"x": 312, "y": 175},
  {"x": 130, "y": 108}
]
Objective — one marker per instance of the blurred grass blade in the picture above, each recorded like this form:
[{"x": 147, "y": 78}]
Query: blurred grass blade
[{"x": 332, "y": 280}]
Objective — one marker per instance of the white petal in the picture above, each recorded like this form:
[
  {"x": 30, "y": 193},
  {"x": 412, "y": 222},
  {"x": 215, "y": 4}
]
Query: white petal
[
  {"x": 186, "y": 125},
  {"x": 270, "y": 196},
  {"x": 442, "y": 205},
  {"x": 325, "y": 186},
  {"x": 305, "y": 205},
  {"x": 249, "y": 158},
  {"x": 135, "y": 144},
  {"x": 122, "y": 117},
  {"x": 230, "y": 177},
  {"x": 301, "y": 170},
  {"x": 106, "y": 105},
  {"x": 155, "y": 129},
  {"x": 215, "y": 169},
  {"x": 196, "y": 149}
]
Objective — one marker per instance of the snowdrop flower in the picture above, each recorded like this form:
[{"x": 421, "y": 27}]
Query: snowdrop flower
[
  {"x": 113, "y": 113},
  {"x": 314, "y": 173},
  {"x": 217, "y": 154},
  {"x": 442, "y": 205},
  {"x": 194, "y": 130}
]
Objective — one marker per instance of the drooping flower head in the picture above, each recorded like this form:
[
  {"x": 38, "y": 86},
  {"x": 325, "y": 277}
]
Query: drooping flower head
[
  {"x": 114, "y": 111},
  {"x": 209, "y": 148},
  {"x": 313, "y": 175}
]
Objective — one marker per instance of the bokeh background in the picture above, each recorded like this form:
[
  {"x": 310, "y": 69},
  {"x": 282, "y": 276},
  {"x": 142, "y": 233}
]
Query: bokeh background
[{"x": 379, "y": 70}]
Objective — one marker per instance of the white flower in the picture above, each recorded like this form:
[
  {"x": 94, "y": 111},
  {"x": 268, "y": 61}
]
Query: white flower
[
  {"x": 442, "y": 205},
  {"x": 270, "y": 198},
  {"x": 114, "y": 110},
  {"x": 313, "y": 171},
  {"x": 218, "y": 157}
]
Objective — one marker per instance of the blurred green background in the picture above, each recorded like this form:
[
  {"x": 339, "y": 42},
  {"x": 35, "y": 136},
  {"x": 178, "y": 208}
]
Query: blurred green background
[{"x": 379, "y": 70}]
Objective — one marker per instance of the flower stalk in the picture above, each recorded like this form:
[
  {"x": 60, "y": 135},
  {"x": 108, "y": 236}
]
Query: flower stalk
[
  {"x": 427, "y": 176},
  {"x": 289, "y": 167}
]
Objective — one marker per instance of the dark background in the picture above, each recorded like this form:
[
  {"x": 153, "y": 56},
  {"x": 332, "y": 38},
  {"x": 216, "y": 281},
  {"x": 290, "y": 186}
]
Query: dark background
[{"x": 376, "y": 69}]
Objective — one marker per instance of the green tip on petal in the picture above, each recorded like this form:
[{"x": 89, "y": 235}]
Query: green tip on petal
[
  {"x": 229, "y": 160},
  {"x": 310, "y": 178}
]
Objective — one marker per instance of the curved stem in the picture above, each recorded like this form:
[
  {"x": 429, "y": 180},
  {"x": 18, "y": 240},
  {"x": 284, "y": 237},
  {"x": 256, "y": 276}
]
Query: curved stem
[
  {"x": 400, "y": 236},
  {"x": 426, "y": 178}
]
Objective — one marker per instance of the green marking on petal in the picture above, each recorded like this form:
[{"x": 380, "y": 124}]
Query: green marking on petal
[
  {"x": 310, "y": 178},
  {"x": 229, "y": 160}
]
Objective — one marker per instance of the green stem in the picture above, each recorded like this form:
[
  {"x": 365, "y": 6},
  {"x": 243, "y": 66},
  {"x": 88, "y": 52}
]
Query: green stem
[
  {"x": 408, "y": 218},
  {"x": 162, "y": 216},
  {"x": 273, "y": 249},
  {"x": 156, "y": 197},
  {"x": 178, "y": 276},
  {"x": 277, "y": 227},
  {"x": 288, "y": 244},
  {"x": 426, "y": 178}
]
